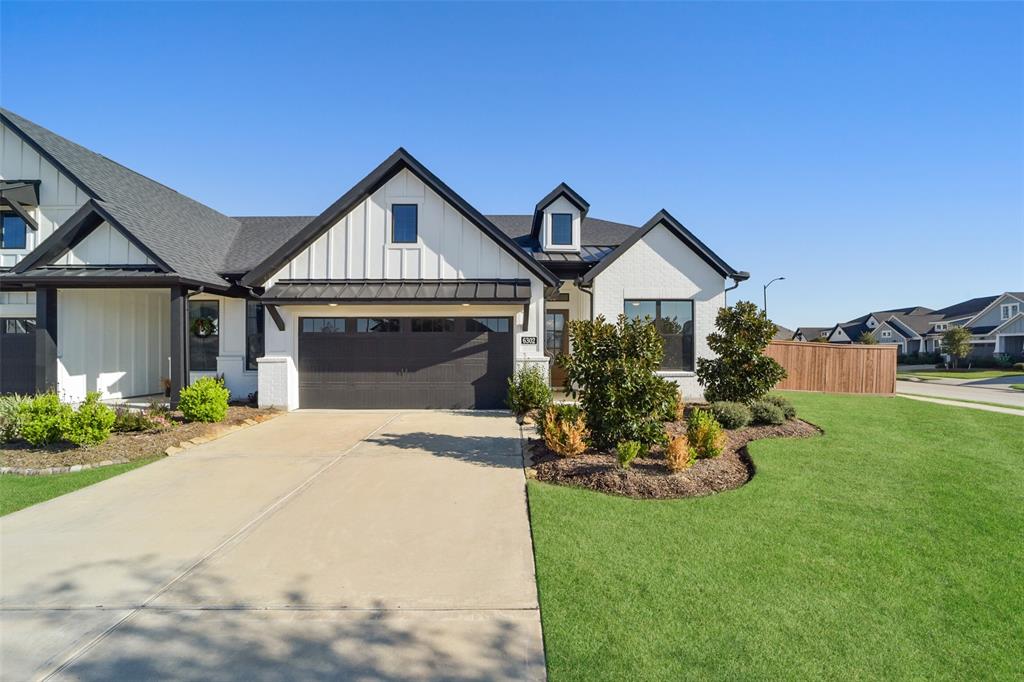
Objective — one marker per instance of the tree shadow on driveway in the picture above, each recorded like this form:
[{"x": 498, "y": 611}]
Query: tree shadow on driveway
[{"x": 492, "y": 451}]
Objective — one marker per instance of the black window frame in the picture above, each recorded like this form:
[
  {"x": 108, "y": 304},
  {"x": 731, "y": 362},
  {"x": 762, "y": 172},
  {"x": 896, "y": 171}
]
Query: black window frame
[
  {"x": 255, "y": 335},
  {"x": 205, "y": 344},
  {"x": 484, "y": 325},
  {"x": 432, "y": 325},
  {"x": 415, "y": 226},
  {"x": 10, "y": 215},
  {"x": 391, "y": 325},
  {"x": 308, "y": 325},
  {"x": 693, "y": 331},
  {"x": 555, "y": 242},
  {"x": 6, "y": 325}
]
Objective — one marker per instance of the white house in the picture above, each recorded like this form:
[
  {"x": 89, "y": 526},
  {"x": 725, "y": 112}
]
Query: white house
[{"x": 399, "y": 294}]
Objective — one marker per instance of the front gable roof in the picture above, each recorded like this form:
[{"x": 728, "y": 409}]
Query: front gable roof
[
  {"x": 663, "y": 217},
  {"x": 1018, "y": 296},
  {"x": 398, "y": 161}
]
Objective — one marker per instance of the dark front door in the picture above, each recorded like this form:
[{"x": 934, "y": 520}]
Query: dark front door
[
  {"x": 556, "y": 341},
  {"x": 429, "y": 362},
  {"x": 17, "y": 355}
]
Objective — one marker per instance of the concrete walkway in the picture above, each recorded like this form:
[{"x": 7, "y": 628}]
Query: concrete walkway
[
  {"x": 955, "y": 390},
  {"x": 972, "y": 406},
  {"x": 318, "y": 545}
]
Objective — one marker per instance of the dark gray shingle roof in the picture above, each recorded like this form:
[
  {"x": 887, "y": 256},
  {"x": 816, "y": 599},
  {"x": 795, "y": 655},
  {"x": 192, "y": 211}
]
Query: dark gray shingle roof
[
  {"x": 966, "y": 308},
  {"x": 259, "y": 235}
]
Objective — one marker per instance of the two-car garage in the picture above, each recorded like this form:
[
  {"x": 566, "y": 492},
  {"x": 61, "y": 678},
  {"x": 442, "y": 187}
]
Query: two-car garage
[{"x": 404, "y": 362}]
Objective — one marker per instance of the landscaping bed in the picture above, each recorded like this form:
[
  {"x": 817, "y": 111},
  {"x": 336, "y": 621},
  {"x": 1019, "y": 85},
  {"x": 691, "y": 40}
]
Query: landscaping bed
[
  {"x": 123, "y": 447},
  {"x": 649, "y": 477}
]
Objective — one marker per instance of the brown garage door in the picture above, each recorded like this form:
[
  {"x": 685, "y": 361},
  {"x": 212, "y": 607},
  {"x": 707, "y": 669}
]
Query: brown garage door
[
  {"x": 428, "y": 362},
  {"x": 17, "y": 355}
]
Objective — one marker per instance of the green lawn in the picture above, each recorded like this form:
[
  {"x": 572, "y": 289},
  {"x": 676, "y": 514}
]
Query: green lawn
[
  {"x": 960, "y": 373},
  {"x": 1017, "y": 387},
  {"x": 889, "y": 548},
  {"x": 18, "y": 492}
]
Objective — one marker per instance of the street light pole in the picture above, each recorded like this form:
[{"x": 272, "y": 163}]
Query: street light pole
[{"x": 764, "y": 291}]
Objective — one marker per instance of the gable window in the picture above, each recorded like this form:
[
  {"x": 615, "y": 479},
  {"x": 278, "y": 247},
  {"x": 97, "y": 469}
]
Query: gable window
[
  {"x": 14, "y": 230},
  {"x": 886, "y": 334},
  {"x": 1008, "y": 310},
  {"x": 404, "y": 227},
  {"x": 561, "y": 229},
  {"x": 253, "y": 333},
  {"x": 203, "y": 335},
  {"x": 674, "y": 322}
]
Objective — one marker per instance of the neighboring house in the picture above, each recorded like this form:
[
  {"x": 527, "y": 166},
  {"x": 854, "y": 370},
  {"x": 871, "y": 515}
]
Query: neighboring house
[
  {"x": 783, "y": 334},
  {"x": 810, "y": 333},
  {"x": 399, "y": 294}
]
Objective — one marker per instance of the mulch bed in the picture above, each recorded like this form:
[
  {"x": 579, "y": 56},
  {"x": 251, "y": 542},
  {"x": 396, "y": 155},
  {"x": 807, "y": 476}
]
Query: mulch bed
[
  {"x": 649, "y": 478},
  {"x": 121, "y": 447}
]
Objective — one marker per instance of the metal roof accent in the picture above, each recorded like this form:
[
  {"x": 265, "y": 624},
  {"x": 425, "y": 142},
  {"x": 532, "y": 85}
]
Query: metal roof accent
[
  {"x": 587, "y": 254},
  {"x": 399, "y": 291},
  {"x": 85, "y": 276}
]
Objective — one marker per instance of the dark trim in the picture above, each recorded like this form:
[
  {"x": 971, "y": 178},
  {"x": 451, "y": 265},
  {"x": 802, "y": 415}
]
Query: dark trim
[
  {"x": 677, "y": 228},
  {"x": 46, "y": 339},
  {"x": 179, "y": 342},
  {"x": 416, "y": 217},
  {"x": 526, "y": 316},
  {"x": 18, "y": 187},
  {"x": 394, "y": 164},
  {"x": 48, "y": 156},
  {"x": 562, "y": 190},
  {"x": 275, "y": 315},
  {"x": 17, "y": 208}
]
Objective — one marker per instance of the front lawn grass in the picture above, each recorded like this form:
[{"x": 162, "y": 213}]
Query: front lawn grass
[
  {"x": 18, "y": 492},
  {"x": 960, "y": 373},
  {"x": 888, "y": 548}
]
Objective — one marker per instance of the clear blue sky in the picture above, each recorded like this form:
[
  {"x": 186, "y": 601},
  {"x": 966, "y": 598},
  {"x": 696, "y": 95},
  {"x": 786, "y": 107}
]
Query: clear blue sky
[{"x": 871, "y": 153}]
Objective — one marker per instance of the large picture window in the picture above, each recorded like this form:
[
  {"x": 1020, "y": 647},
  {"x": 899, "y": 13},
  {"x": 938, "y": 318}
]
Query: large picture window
[
  {"x": 253, "y": 333},
  {"x": 203, "y": 335},
  {"x": 674, "y": 322}
]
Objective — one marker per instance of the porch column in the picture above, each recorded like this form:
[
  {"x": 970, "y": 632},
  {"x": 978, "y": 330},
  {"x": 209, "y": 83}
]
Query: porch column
[
  {"x": 179, "y": 342},
  {"x": 46, "y": 339}
]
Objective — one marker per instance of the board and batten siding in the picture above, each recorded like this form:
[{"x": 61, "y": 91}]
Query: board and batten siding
[
  {"x": 59, "y": 196},
  {"x": 358, "y": 245},
  {"x": 105, "y": 245}
]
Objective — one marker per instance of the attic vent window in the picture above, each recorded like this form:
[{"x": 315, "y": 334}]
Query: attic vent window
[{"x": 561, "y": 229}]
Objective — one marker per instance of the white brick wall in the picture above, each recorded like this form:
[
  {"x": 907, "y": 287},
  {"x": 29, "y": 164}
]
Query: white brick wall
[{"x": 661, "y": 267}]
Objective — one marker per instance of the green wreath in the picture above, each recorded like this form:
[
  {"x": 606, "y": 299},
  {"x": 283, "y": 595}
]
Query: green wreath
[{"x": 203, "y": 327}]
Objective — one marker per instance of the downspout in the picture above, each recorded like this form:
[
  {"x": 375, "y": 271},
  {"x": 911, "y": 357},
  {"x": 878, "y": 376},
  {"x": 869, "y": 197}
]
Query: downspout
[
  {"x": 739, "y": 278},
  {"x": 588, "y": 289}
]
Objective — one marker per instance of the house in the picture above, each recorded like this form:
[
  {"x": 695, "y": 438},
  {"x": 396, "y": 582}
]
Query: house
[
  {"x": 399, "y": 294},
  {"x": 783, "y": 334},
  {"x": 811, "y": 333}
]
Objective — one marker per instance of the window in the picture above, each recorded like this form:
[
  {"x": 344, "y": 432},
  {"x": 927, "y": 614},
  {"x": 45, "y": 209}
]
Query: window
[
  {"x": 674, "y": 322},
  {"x": 1008, "y": 310},
  {"x": 12, "y": 232},
  {"x": 886, "y": 334},
  {"x": 323, "y": 325},
  {"x": 498, "y": 325},
  {"x": 377, "y": 324},
  {"x": 17, "y": 325},
  {"x": 404, "y": 223},
  {"x": 433, "y": 324},
  {"x": 253, "y": 333},
  {"x": 940, "y": 327},
  {"x": 561, "y": 229},
  {"x": 203, "y": 335},
  {"x": 823, "y": 334}
]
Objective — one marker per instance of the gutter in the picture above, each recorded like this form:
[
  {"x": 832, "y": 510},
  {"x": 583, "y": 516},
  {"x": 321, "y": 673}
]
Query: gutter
[{"x": 739, "y": 278}]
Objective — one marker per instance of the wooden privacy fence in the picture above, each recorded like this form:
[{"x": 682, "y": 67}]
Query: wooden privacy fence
[{"x": 836, "y": 368}]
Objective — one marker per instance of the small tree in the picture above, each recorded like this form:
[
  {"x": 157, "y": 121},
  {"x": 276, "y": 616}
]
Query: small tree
[
  {"x": 956, "y": 342},
  {"x": 867, "y": 338},
  {"x": 742, "y": 372},
  {"x": 612, "y": 372}
]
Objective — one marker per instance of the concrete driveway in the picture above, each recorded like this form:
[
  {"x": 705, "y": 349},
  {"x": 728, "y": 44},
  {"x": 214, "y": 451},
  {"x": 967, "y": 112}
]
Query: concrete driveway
[{"x": 318, "y": 545}]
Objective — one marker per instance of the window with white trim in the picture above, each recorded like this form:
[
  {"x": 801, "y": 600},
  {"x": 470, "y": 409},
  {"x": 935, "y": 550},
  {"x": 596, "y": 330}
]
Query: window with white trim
[
  {"x": 1008, "y": 310},
  {"x": 886, "y": 334}
]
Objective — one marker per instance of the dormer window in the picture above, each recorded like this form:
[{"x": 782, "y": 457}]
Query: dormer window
[{"x": 561, "y": 229}]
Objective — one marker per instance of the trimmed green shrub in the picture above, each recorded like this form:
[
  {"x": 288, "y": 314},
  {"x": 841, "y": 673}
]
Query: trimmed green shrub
[
  {"x": 204, "y": 401},
  {"x": 766, "y": 413},
  {"x": 705, "y": 434},
  {"x": 10, "y": 416},
  {"x": 788, "y": 411},
  {"x": 1019, "y": 366},
  {"x": 628, "y": 450},
  {"x": 528, "y": 391},
  {"x": 731, "y": 415},
  {"x": 44, "y": 419},
  {"x": 612, "y": 372},
  {"x": 740, "y": 372},
  {"x": 91, "y": 422},
  {"x": 128, "y": 420}
]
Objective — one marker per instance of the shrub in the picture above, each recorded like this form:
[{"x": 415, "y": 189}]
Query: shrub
[
  {"x": 788, "y": 411},
  {"x": 731, "y": 415},
  {"x": 628, "y": 451},
  {"x": 91, "y": 423},
  {"x": 565, "y": 430},
  {"x": 741, "y": 372},
  {"x": 1019, "y": 366},
  {"x": 128, "y": 420},
  {"x": 528, "y": 391},
  {"x": 44, "y": 419},
  {"x": 11, "y": 416},
  {"x": 705, "y": 434},
  {"x": 679, "y": 456},
  {"x": 612, "y": 372},
  {"x": 204, "y": 401},
  {"x": 766, "y": 413}
]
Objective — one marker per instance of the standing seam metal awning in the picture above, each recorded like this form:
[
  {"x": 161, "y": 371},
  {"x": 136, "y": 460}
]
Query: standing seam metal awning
[{"x": 399, "y": 291}]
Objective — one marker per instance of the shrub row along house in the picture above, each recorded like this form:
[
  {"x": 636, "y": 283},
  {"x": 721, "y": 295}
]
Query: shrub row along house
[
  {"x": 996, "y": 324},
  {"x": 399, "y": 294}
]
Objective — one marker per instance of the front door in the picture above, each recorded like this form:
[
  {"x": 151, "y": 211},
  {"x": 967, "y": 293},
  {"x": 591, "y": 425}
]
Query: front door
[{"x": 556, "y": 341}]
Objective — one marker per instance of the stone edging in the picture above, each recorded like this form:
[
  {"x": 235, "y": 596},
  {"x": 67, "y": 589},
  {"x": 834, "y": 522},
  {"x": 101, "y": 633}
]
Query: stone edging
[{"x": 172, "y": 450}]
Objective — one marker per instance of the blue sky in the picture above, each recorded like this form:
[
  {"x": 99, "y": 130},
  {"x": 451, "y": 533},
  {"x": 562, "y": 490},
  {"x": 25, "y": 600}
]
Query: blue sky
[{"x": 871, "y": 153}]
